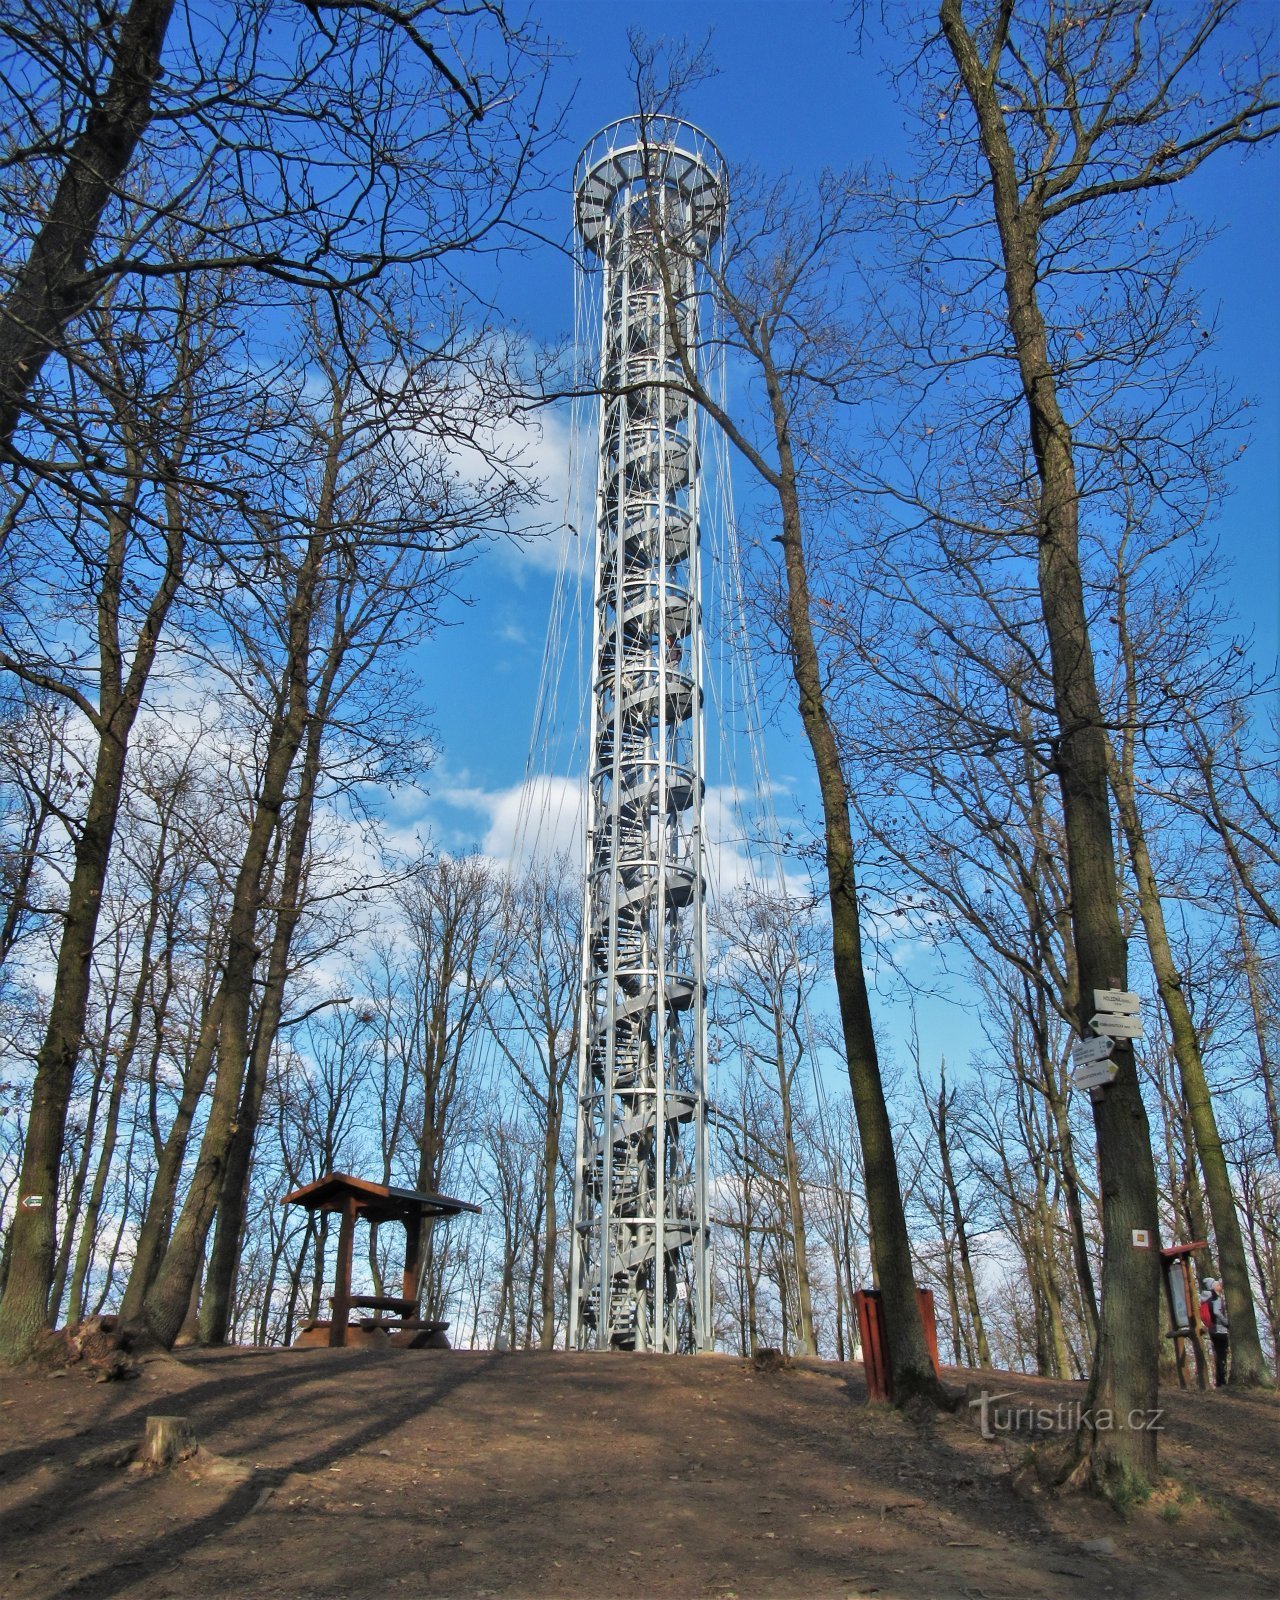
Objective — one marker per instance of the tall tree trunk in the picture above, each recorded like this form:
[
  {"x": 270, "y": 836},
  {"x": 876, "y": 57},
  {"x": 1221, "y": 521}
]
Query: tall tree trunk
[
  {"x": 157, "y": 1222},
  {"x": 909, "y": 1357},
  {"x": 839, "y": 1309},
  {"x": 844, "y": 1268},
  {"x": 535, "y": 1269},
  {"x": 1071, "y": 1187},
  {"x": 1057, "y": 1092},
  {"x": 1193, "y": 1195},
  {"x": 1248, "y": 1364},
  {"x": 189, "y": 1332},
  {"x": 805, "y": 1344},
  {"x": 233, "y": 1198},
  {"x": 262, "y": 1320},
  {"x": 23, "y": 1311},
  {"x": 108, "y": 1277},
  {"x": 1056, "y": 1327},
  {"x": 1264, "y": 1241},
  {"x": 320, "y": 1241},
  {"x": 550, "y": 1173},
  {"x": 958, "y": 1223},
  {"x": 1024, "y": 1224},
  {"x": 167, "y": 1299},
  {"x": 93, "y": 1207},
  {"x": 953, "y": 1300},
  {"x": 124, "y": 1060},
  {"x": 62, "y": 1263},
  {"x": 295, "y": 1284},
  {"x": 24, "y": 1308},
  {"x": 1259, "y": 1011},
  {"x": 751, "y": 1324},
  {"x": 1124, "y": 1381}
]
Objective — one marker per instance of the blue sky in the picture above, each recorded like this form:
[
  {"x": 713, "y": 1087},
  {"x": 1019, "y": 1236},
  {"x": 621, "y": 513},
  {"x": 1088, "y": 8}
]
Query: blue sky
[{"x": 792, "y": 93}]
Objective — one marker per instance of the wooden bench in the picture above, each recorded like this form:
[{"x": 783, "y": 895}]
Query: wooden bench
[{"x": 404, "y": 1328}]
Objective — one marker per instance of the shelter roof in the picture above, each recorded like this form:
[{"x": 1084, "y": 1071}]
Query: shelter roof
[{"x": 379, "y": 1202}]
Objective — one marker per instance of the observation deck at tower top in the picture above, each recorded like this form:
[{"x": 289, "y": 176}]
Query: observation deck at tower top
[{"x": 665, "y": 152}]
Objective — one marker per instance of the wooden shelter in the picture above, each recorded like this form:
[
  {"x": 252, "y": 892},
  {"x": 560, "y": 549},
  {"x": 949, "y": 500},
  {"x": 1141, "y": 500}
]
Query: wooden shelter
[{"x": 392, "y": 1319}]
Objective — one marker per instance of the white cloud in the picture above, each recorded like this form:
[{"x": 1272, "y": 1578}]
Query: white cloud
[
  {"x": 546, "y": 531},
  {"x": 737, "y": 854},
  {"x": 529, "y": 822}
]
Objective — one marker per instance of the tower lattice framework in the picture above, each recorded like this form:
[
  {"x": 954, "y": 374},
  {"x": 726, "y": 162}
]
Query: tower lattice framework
[{"x": 640, "y": 1270}]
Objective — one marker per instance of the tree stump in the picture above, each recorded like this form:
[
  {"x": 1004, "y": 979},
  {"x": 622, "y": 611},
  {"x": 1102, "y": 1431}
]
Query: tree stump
[{"x": 167, "y": 1440}]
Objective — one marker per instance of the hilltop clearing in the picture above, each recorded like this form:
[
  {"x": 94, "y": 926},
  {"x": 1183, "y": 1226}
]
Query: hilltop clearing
[{"x": 333, "y": 1473}]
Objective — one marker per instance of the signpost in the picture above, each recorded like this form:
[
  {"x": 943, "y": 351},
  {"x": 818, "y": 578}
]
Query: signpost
[
  {"x": 1086, "y": 1051},
  {"x": 1117, "y": 1014},
  {"x": 1095, "y": 1076},
  {"x": 1117, "y": 1000},
  {"x": 1116, "y": 1018},
  {"x": 1117, "y": 1025}
]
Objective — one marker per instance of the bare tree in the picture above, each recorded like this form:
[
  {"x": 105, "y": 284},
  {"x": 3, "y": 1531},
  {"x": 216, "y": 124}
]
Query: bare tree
[
  {"x": 131, "y": 540},
  {"x": 296, "y": 140},
  {"x": 453, "y": 925},
  {"x": 387, "y": 520},
  {"x": 768, "y": 968},
  {"x": 1055, "y": 125},
  {"x": 938, "y": 707},
  {"x": 260, "y": 157},
  {"x": 955, "y": 1217},
  {"x": 535, "y": 1024},
  {"x": 838, "y": 1216},
  {"x": 36, "y": 778},
  {"x": 161, "y": 787},
  {"x": 747, "y": 1208},
  {"x": 1248, "y": 1365}
]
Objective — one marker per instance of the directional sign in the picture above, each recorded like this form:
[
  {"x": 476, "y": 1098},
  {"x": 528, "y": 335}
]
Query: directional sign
[
  {"x": 1116, "y": 1000},
  {"x": 32, "y": 1202},
  {"x": 1118, "y": 1024},
  {"x": 1095, "y": 1076},
  {"x": 1085, "y": 1051}
]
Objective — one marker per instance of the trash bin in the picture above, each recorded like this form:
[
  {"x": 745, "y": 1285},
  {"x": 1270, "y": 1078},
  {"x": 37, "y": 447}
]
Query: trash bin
[{"x": 869, "y": 1305}]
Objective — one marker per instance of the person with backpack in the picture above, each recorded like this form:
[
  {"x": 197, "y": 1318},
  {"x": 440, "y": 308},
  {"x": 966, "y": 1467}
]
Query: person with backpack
[{"x": 1213, "y": 1314}]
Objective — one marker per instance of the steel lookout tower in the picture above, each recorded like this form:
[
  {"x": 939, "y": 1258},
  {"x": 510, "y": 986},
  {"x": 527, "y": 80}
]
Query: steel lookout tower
[{"x": 649, "y": 207}]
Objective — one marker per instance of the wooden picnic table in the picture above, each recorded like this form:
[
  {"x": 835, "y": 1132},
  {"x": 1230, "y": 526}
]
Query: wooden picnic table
[{"x": 398, "y": 1304}]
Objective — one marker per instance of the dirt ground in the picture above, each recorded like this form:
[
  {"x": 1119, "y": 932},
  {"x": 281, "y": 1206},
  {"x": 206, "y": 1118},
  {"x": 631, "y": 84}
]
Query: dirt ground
[{"x": 340, "y": 1473}]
